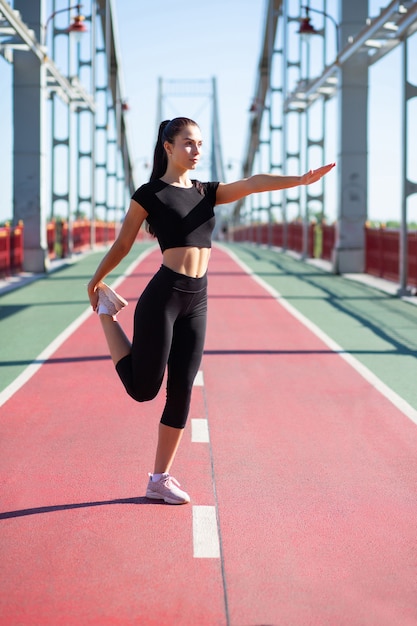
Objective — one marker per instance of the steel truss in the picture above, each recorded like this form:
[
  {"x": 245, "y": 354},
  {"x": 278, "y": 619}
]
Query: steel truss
[
  {"x": 200, "y": 90},
  {"x": 278, "y": 101},
  {"x": 88, "y": 169}
]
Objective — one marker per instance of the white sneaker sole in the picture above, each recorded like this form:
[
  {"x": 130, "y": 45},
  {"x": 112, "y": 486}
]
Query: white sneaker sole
[
  {"x": 118, "y": 301},
  {"x": 153, "y": 495}
]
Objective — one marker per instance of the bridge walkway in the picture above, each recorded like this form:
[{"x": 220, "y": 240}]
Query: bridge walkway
[{"x": 299, "y": 455}]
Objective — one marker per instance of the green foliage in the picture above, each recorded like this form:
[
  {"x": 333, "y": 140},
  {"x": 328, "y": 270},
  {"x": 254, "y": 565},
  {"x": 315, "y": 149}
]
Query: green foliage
[{"x": 392, "y": 224}]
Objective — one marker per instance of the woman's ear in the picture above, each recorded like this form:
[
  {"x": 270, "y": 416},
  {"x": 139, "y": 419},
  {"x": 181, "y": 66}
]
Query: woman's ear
[{"x": 168, "y": 148}]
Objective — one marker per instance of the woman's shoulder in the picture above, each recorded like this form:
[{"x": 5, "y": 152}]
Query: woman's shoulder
[
  {"x": 205, "y": 188},
  {"x": 147, "y": 189}
]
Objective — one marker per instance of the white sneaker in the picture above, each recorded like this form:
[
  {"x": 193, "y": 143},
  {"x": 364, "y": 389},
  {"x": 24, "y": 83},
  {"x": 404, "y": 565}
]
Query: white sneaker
[
  {"x": 167, "y": 489},
  {"x": 109, "y": 302}
]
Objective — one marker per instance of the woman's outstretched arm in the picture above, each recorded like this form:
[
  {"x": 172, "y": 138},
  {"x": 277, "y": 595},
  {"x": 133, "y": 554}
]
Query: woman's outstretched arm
[{"x": 230, "y": 192}]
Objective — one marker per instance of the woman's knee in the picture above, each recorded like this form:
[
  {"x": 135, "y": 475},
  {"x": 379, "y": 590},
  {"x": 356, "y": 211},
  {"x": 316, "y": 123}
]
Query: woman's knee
[
  {"x": 143, "y": 394},
  {"x": 178, "y": 422},
  {"x": 140, "y": 386}
]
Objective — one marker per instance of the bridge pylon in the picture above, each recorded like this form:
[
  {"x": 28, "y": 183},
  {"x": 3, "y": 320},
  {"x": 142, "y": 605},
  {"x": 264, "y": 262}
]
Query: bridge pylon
[{"x": 197, "y": 99}]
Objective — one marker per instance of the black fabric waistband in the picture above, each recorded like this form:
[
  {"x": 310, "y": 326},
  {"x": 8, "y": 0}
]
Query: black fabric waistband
[{"x": 182, "y": 281}]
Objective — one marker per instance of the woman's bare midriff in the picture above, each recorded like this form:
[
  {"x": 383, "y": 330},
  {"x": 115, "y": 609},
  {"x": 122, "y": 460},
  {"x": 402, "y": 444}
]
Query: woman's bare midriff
[{"x": 188, "y": 260}]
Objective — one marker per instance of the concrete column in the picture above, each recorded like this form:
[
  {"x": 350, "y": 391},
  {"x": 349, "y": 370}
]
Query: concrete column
[
  {"x": 29, "y": 154},
  {"x": 349, "y": 252}
]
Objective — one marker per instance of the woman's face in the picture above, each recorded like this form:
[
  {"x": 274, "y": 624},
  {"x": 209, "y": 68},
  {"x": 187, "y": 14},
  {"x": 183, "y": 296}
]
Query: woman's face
[{"x": 185, "y": 152}]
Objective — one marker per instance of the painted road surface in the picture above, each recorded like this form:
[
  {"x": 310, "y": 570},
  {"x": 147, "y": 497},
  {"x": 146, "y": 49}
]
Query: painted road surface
[{"x": 302, "y": 477}]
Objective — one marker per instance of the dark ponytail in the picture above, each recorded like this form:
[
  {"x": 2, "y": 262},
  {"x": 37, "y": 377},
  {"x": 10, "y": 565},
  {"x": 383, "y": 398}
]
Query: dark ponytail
[{"x": 160, "y": 159}]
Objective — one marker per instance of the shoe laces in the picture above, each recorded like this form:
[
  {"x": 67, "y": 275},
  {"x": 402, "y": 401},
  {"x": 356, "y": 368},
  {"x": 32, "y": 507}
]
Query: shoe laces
[{"x": 169, "y": 480}]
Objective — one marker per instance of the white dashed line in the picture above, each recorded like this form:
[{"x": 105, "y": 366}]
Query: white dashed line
[
  {"x": 199, "y": 380},
  {"x": 206, "y": 544},
  {"x": 199, "y": 431},
  {"x": 205, "y": 535}
]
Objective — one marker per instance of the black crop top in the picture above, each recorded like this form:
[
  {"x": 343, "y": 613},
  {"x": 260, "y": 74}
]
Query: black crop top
[{"x": 179, "y": 216}]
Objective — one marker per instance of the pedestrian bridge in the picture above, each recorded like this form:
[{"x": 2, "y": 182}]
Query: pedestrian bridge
[{"x": 83, "y": 113}]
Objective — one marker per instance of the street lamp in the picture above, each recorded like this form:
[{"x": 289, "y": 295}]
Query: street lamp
[
  {"x": 307, "y": 29},
  {"x": 77, "y": 26}
]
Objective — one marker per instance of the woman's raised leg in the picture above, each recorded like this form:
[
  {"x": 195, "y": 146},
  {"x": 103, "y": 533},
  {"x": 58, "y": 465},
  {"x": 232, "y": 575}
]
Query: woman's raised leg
[{"x": 118, "y": 343}]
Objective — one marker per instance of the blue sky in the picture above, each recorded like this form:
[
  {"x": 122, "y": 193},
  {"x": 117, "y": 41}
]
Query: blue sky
[
  {"x": 221, "y": 38},
  {"x": 190, "y": 40}
]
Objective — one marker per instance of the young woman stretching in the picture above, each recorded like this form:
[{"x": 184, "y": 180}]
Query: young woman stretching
[{"x": 170, "y": 316}]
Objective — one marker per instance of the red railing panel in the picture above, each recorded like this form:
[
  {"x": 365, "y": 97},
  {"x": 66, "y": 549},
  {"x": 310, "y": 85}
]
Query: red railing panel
[
  {"x": 412, "y": 258},
  {"x": 382, "y": 253},
  {"x": 328, "y": 241},
  {"x": 295, "y": 236},
  {"x": 16, "y": 248},
  {"x": 5, "y": 251},
  {"x": 278, "y": 235}
]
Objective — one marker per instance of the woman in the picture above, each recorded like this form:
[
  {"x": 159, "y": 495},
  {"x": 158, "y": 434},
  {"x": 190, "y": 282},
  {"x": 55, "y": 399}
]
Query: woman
[{"x": 170, "y": 316}]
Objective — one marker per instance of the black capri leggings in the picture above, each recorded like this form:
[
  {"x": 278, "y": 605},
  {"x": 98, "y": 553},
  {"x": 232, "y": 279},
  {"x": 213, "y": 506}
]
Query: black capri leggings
[{"x": 169, "y": 328}]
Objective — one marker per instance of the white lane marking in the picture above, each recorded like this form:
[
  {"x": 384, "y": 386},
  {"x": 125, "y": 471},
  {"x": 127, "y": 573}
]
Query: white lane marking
[
  {"x": 386, "y": 391},
  {"x": 199, "y": 431},
  {"x": 199, "y": 380},
  {"x": 205, "y": 534},
  {"x": 31, "y": 369}
]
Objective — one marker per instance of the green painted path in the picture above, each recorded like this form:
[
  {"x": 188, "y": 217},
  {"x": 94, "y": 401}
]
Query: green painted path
[
  {"x": 32, "y": 316},
  {"x": 377, "y": 329}
]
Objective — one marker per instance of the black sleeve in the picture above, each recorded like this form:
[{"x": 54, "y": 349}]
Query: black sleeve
[
  {"x": 140, "y": 195},
  {"x": 210, "y": 190}
]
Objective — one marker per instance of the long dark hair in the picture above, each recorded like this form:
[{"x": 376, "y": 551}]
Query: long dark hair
[{"x": 168, "y": 130}]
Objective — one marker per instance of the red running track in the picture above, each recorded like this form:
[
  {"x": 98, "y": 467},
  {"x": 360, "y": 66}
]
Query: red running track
[{"x": 312, "y": 473}]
